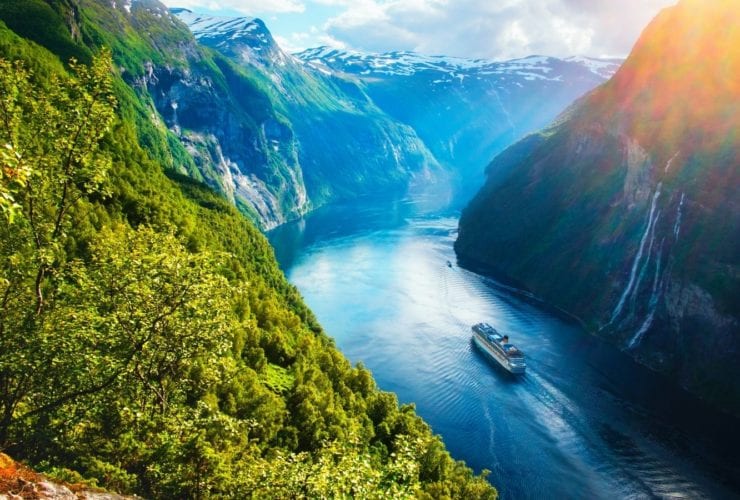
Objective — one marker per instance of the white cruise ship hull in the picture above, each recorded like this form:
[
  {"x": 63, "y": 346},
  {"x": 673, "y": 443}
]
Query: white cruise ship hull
[{"x": 498, "y": 357}]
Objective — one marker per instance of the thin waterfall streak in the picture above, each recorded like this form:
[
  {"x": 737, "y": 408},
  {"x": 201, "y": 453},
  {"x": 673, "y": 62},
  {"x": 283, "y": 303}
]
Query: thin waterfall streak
[
  {"x": 670, "y": 162},
  {"x": 506, "y": 111},
  {"x": 638, "y": 257},
  {"x": 646, "y": 265},
  {"x": 652, "y": 305},
  {"x": 677, "y": 225}
]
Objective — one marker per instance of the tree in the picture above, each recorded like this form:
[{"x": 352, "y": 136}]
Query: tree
[
  {"x": 141, "y": 336},
  {"x": 13, "y": 173},
  {"x": 51, "y": 158},
  {"x": 159, "y": 316}
]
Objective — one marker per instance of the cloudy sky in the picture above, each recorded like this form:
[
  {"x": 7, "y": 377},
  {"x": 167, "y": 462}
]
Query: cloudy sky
[{"x": 496, "y": 29}]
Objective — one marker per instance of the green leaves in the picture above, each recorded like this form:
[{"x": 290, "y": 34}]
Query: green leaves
[
  {"x": 163, "y": 308},
  {"x": 51, "y": 159},
  {"x": 148, "y": 338},
  {"x": 13, "y": 172}
]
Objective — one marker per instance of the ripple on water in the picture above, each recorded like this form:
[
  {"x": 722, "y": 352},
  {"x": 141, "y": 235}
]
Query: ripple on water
[{"x": 570, "y": 428}]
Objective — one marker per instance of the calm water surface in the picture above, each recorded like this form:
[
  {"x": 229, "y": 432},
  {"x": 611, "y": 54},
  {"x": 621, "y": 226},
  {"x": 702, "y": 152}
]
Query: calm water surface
[{"x": 584, "y": 422}]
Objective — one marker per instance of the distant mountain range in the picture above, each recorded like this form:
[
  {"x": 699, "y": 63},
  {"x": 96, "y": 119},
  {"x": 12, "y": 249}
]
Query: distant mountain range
[
  {"x": 280, "y": 135},
  {"x": 625, "y": 211},
  {"x": 466, "y": 110},
  {"x": 349, "y": 129},
  {"x": 406, "y": 63}
]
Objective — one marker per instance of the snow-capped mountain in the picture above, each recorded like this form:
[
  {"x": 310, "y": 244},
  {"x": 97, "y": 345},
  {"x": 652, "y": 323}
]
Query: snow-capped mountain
[
  {"x": 455, "y": 68},
  {"x": 605, "y": 67},
  {"x": 365, "y": 122},
  {"x": 466, "y": 110},
  {"x": 245, "y": 38},
  {"x": 338, "y": 143}
]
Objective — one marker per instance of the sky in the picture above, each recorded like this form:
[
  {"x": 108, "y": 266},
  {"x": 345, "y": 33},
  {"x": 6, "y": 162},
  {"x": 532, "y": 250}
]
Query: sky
[{"x": 490, "y": 29}]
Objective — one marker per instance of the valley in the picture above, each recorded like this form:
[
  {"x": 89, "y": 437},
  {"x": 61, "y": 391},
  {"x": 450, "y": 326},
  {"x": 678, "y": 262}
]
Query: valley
[{"x": 232, "y": 267}]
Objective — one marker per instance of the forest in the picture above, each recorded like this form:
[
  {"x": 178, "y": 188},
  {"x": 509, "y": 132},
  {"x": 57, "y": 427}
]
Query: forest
[{"x": 149, "y": 343}]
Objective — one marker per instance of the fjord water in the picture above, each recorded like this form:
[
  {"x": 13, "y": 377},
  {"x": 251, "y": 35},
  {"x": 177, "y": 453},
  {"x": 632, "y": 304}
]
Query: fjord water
[{"x": 584, "y": 422}]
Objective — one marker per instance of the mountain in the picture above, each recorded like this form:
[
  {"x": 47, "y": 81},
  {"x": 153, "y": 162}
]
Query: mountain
[
  {"x": 243, "y": 38},
  {"x": 279, "y": 136},
  {"x": 466, "y": 110},
  {"x": 337, "y": 142},
  {"x": 625, "y": 211},
  {"x": 149, "y": 343},
  {"x": 251, "y": 122}
]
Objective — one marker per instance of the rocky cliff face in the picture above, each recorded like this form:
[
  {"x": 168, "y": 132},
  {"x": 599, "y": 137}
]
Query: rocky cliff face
[
  {"x": 276, "y": 138},
  {"x": 251, "y": 159},
  {"x": 625, "y": 212},
  {"x": 19, "y": 482},
  {"x": 236, "y": 140},
  {"x": 346, "y": 145}
]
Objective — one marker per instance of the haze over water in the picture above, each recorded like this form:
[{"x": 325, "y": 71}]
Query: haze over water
[{"x": 584, "y": 422}]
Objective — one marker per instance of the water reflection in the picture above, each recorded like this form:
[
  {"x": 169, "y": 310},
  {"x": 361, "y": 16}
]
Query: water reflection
[{"x": 585, "y": 421}]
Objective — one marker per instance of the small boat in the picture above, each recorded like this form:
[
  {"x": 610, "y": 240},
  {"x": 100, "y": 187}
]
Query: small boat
[
  {"x": 449, "y": 264},
  {"x": 497, "y": 348}
]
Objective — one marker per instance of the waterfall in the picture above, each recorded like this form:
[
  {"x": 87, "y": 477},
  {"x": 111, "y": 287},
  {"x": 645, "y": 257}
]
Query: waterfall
[
  {"x": 645, "y": 266},
  {"x": 638, "y": 257},
  {"x": 677, "y": 225},
  {"x": 652, "y": 305},
  {"x": 668, "y": 165}
]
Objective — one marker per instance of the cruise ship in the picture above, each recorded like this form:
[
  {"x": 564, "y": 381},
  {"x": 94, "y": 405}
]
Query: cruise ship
[{"x": 497, "y": 348}]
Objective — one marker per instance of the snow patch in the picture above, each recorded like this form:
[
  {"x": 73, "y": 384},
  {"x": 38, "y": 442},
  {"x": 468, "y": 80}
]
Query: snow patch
[
  {"x": 601, "y": 67},
  {"x": 406, "y": 63},
  {"x": 219, "y": 27}
]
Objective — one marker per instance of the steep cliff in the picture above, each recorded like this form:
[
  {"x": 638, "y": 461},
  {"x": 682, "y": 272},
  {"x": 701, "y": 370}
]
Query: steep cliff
[
  {"x": 235, "y": 139},
  {"x": 625, "y": 211},
  {"x": 346, "y": 144},
  {"x": 251, "y": 121}
]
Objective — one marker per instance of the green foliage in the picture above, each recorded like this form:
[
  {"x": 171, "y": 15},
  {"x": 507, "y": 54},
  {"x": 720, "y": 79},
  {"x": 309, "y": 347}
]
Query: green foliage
[
  {"x": 149, "y": 341},
  {"x": 41, "y": 22},
  {"x": 12, "y": 175},
  {"x": 51, "y": 137}
]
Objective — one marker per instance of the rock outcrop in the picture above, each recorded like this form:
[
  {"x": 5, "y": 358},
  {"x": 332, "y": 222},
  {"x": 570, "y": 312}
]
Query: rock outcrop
[{"x": 18, "y": 482}]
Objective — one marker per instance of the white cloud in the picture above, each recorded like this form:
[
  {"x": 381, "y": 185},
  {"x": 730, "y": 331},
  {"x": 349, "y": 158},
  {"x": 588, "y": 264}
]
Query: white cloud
[
  {"x": 288, "y": 43},
  {"x": 496, "y": 29},
  {"x": 493, "y": 29}
]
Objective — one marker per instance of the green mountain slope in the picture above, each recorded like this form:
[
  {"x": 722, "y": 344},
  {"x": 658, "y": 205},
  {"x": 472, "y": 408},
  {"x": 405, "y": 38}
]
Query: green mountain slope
[
  {"x": 275, "y": 140},
  {"x": 625, "y": 212},
  {"x": 346, "y": 144},
  {"x": 148, "y": 340}
]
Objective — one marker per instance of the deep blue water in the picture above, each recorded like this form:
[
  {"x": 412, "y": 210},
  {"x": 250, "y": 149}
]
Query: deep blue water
[{"x": 584, "y": 422}]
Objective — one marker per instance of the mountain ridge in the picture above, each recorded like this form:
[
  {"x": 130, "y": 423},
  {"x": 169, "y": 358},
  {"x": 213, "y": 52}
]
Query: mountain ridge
[
  {"x": 466, "y": 110},
  {"x": 623, "y": 211},
  {"x": 411, "y": 62}
]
